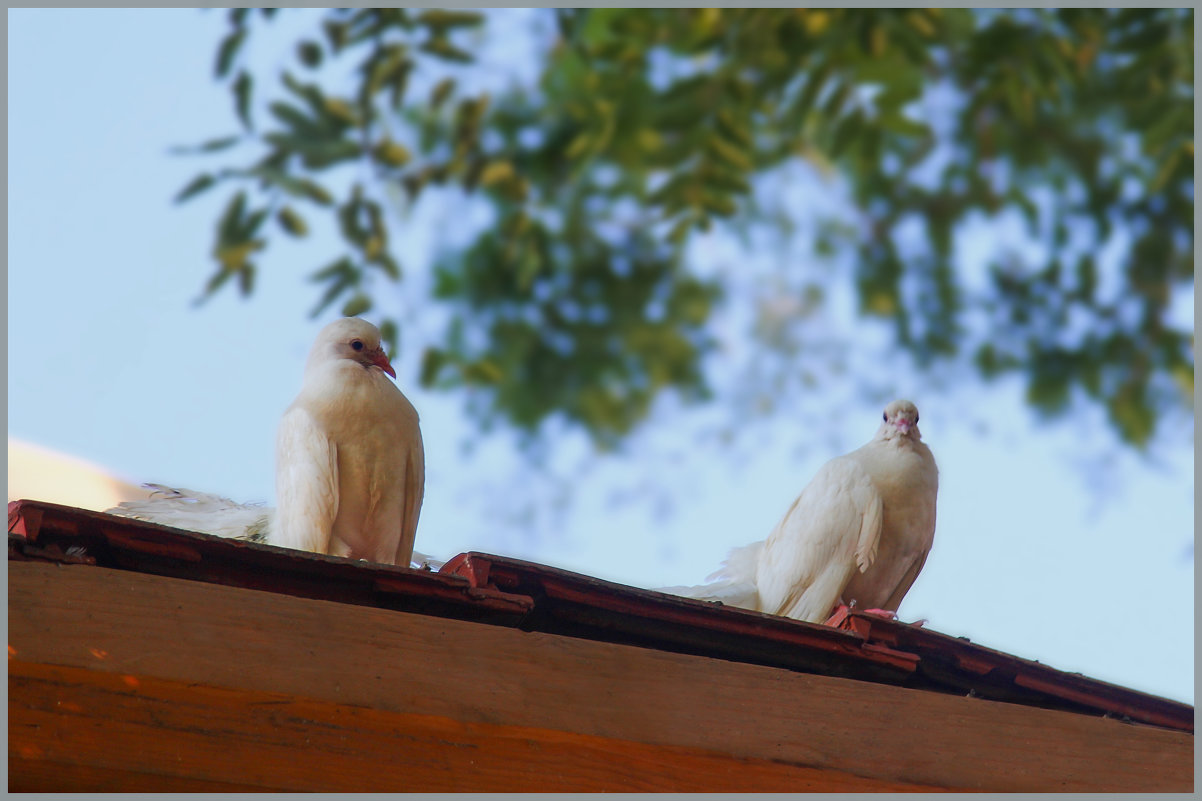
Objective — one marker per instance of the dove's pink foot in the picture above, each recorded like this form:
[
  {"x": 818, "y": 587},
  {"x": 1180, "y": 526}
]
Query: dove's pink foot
[{"x": 885, "y": 613}]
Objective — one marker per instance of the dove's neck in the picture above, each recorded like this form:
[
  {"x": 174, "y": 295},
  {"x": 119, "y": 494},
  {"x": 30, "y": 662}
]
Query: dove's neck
[
  {"x": 899, "y": 460},
  {"x": 354, "y": 400}
]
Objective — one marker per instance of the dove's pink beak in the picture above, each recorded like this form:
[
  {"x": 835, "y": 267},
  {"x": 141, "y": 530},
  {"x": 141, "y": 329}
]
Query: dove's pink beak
[
  {"x": 380, "y": 359},
  {"x": 903, "y": 425}
]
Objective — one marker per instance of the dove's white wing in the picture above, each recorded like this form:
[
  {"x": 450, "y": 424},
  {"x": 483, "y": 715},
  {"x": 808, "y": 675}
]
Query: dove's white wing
[
  {"x": 414, "y": 489},
  {"x": 832, "y": 528},
  {"x": 306, "y": 483}
]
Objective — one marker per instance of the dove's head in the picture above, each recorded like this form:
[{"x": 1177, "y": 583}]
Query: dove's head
[
  {"x": 900, "y": 420},
  {"x": 353, "y": 339}
]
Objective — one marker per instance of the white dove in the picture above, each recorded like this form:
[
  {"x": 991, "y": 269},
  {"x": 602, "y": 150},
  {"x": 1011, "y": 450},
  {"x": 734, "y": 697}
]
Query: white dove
[
  {"x": 350, "y": 466},
  {"x": 860, "y": 532}
]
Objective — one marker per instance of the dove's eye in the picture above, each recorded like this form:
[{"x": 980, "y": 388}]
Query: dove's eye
[
  {"x": 885, "y": 416},
  {"x": 357, "y": 344}
]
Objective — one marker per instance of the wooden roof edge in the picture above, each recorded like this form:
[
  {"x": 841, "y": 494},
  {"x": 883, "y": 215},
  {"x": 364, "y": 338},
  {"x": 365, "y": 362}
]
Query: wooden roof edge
[
  {"x": 66, "y": 534},
  {"x": 1111, "y": 699},
  {"x": 875, "y": 637},
  {"x": 506, "y": 591}
]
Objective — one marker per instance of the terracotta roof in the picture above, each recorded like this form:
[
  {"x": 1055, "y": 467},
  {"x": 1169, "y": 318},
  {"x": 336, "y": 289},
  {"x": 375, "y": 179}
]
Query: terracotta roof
[{"x": 509, "y": 592}]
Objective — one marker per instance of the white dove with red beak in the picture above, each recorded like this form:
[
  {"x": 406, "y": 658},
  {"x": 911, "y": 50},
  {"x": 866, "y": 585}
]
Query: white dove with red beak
[
  {"x": 859, "y": 532},
  {"x": 350, "y": 467}
]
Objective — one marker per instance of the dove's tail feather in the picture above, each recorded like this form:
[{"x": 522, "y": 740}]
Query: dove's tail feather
[
  {"x": 733, "y": 584},
  {"x": 222, "y": 517},
  {"x": 199, "y": 511}
]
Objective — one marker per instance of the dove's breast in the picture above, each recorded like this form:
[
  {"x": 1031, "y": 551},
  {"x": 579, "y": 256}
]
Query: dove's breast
[
  {"x": 908, "y": 481},
  {"x": 378, "y": 442}
]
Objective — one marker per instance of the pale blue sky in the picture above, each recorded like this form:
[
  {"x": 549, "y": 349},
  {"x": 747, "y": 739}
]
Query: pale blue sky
[{"x": 1051, "y": 544}]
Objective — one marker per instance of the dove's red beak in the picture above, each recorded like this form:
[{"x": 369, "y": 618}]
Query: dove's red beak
[{"x": 380, "y": 359}]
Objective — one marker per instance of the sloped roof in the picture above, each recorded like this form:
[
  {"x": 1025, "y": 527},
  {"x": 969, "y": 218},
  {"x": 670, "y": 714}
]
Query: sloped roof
[{"x": 508, "y": 592}]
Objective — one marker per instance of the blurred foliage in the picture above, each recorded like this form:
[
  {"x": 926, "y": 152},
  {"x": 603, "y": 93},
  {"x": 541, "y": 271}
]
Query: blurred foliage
[{"x": 648, "y": 126}]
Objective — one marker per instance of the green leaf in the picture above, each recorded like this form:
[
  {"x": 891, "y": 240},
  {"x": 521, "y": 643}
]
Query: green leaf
[
  {"x": 388, "y": 67},
  {"x": 251, "y": 224},
  {"x": 314, "y": 98},
  {"x": 215, "y": 282},
  {"x": 329, "y": 296},
  {"x": 319, "y": 155},
  {"x": 358, "y": 304},
  {"x": 309, "y": 53},
  {"x": 441, "y": 91},
  {"x": 389, "y": 265},
  {"x": 414, "y": 183},
  {"x": 338, "y": 114},
  {"x": 580, "y": 145},
  {"x": 680, "y": 230},
  {"x": 1131, "y": 413},
  {"x": 343, "y": 266},
  {"x": 846, "y": 133},
  {"x": 390, "y": 336},
  {"x": 837, "y": 100},
  {"x": 293, "y": 117},
  {"x": 197, "y": 185},
  {"x": 209, "y": 146},
  {"x": 1168, "y": 165},
  {"x": 727, "y": 153},
  {"x": 727, "y": 181},
  {"x": 719, "y": 204},
  {"x": 228, "y": 50},
  {"x": 443, "y": 19},
  {"x": 679, "y": 190},
  {"x": 231, "y": 221},
  {"x": 246, "y": 278},
  {"x": 738, "y": 132},
  {"x": 292, "y": 222},
  {"x": 342, "y": 276},
  {"x": 303, "y": 187},
  {"x": 242, "y": 88},
  {"x": 442, "y": 48},
  {"x": 398, "y": 81},
  {"x": 235, "y": 256},
  {"x": 902, "y": 125},
  {"x": 484, "y": 371},
  {"x": 815, "y": 81},
  {"x": 433, "y": 360},
  {"x": 348, "y": 219},
  {"x": 336, "y": 34},
  {"x": 392, "y": 154},
  {"x": 495, "y": 172}
]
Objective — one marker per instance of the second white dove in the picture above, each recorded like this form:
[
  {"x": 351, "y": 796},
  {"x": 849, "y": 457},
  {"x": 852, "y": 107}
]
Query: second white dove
[{"x": 859, "y": 531}]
